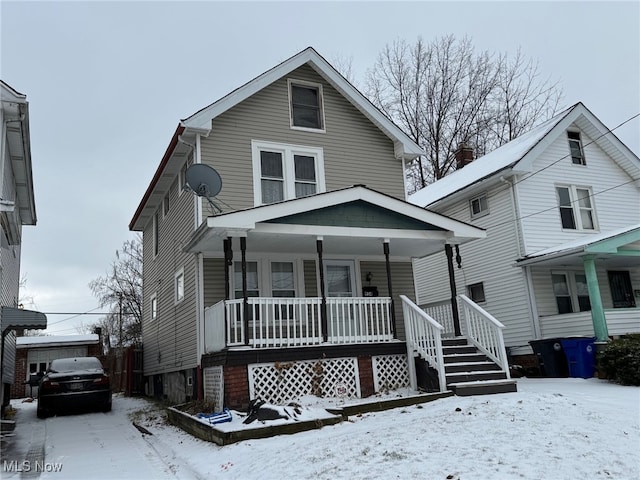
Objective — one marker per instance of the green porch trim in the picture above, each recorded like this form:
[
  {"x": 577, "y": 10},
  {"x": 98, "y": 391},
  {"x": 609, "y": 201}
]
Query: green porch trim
[
  {"x": 597, "y": 310},
  {"x": 618, "y": 245},
  {"x": 357, "y": 213}
]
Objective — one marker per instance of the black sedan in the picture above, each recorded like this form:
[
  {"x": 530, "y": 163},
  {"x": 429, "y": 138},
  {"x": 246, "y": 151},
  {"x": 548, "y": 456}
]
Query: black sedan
[{"x": 74, "y": 383}]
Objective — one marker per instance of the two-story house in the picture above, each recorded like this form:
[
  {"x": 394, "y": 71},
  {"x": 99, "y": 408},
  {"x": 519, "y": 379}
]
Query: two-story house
[
  {"x": 561, "y": 207},
  {"x": 292, "y": 281},
  {"x": 17, "y": 208}
]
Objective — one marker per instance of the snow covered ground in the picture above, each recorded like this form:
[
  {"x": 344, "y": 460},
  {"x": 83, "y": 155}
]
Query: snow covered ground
[{"x": 551, "y": 429}]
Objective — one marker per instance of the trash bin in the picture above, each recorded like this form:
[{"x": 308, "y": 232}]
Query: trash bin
[
  {"x": 581, "y": 356},
  {"x": 551, "y": 357}
]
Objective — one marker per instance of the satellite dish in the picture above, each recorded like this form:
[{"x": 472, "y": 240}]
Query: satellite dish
[{"x": 204, "y": 181}]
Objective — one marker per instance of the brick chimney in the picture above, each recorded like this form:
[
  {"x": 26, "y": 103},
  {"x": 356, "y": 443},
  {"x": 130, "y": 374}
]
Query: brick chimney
[{"x": 464, "y": 155}]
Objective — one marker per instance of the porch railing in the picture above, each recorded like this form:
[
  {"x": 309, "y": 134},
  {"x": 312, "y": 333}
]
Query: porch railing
[
  {"x": 424, "y": 336},
  {"x": 442, "y": 312},
  {"x": 293, "y": 322},
  {"x": 484, "y": 331}
]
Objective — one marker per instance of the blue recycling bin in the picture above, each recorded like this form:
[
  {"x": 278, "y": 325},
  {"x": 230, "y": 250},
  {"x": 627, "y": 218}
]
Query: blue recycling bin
[{"x": 581, "y": 356}]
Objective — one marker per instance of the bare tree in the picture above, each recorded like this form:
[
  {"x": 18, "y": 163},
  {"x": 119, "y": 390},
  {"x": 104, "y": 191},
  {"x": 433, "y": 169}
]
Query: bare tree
[
  {"x": 121, "y": 290},
  {"x": 444, "y": 93}
]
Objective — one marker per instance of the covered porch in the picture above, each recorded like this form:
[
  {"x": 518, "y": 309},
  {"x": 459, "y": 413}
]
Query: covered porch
[
  {"x": 341, "y": 240},
  {"x": 595, "y": 282}
]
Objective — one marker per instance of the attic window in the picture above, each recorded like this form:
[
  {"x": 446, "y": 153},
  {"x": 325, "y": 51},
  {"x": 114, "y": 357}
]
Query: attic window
[
  {"x": 306, "y": 105},
  {"x": 575, "y": 147}
]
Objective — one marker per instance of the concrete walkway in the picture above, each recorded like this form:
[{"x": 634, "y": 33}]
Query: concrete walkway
[{"x": 23, "y": 449}]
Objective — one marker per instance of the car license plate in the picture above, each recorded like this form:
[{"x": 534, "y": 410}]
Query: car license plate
[{"x": 75, "y": 386}]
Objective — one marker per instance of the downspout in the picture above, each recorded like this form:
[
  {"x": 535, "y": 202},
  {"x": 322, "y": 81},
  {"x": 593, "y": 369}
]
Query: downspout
[{"x": 533, "y": 309}]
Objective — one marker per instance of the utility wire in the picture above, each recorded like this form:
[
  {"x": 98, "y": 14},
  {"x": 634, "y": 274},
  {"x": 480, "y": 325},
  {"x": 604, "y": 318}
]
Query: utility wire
[
  {"x": 569, "y": 154},
  {"x": 464, "y": 207}
]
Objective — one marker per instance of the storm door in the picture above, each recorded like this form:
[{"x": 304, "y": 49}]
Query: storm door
[
  {"x": 340, "y": 288},
  {"x": 621, "y": 292}
]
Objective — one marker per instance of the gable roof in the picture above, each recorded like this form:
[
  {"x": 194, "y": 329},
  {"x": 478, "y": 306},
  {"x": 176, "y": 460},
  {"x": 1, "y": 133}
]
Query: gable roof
[
  {"x": 201, "y": 121},
  {"x": 416, "y": 231},
  {"x": 404, "y": 146},
  {"x": 518, "y": 155}
]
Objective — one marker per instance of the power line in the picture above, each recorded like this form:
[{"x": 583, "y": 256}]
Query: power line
[
  {"x": 569, "y": 154},
  {"x": 544, "y": 168}
]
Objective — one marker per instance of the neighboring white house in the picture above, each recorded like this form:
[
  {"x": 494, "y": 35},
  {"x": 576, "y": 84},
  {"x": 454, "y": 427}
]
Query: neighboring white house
[
  {"x": 561, "y": 206},
  {"x": 17, "y": 208}
]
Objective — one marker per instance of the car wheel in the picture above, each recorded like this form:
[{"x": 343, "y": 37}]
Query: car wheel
[
  {"x": 41, "y": 412},
  {"x": 107, "y": 407}
]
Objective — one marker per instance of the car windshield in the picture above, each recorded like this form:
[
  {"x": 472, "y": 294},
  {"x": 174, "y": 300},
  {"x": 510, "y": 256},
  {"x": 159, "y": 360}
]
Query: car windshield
[{"x": 71, "y": 364}]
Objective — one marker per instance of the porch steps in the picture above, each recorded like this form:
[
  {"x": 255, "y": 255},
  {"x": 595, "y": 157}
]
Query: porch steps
[{"x": 470, "y": 372}]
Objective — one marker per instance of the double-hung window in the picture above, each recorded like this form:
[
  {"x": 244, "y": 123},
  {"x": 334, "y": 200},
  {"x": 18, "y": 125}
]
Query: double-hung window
[
  {"x": 253, "y": 286},
  {"x": 576, "y": 208},
  {"x": 479, "y": 206},
  {"x": 283, "y": 172},
  {"x": 571, "y": 292},
  {"x": 306, "y": 109},
  {"x": 575, "y": 147}
]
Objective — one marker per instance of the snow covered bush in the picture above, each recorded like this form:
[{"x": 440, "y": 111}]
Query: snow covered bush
[{"x": 620, "y": 360}]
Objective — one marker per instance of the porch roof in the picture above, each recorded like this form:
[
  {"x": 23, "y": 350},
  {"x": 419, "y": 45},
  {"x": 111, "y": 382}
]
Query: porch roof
[
  {"x": 621, "y": 247},
  {"x": 350, "y": 221}
]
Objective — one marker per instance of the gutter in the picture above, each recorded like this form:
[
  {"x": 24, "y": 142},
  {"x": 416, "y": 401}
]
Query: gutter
[{"x": 156, "y": 177}]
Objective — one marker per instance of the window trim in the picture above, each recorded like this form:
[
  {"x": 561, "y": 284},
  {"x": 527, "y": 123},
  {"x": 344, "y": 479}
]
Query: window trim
[
  {"x": 572, "y": 287},
  {"x": 583, "y": 159},
  {"x": 176, "y": 290},
  {"x": 288, "y": 168},
  {"x": 484, "y": 295},
  {"x": 576, "y": 209},
  {"x": 481, "y": 213},
  {"x": 304, "y": 83}
]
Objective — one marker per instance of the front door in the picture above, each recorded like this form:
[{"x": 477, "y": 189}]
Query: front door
[
  {"x": 340, "y": 286},
  {"x": 621, "y": 291}
]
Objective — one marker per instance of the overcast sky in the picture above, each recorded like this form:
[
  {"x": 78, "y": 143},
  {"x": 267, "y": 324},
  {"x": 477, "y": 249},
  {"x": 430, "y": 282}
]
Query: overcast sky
[{"x": 108, "y": 82}]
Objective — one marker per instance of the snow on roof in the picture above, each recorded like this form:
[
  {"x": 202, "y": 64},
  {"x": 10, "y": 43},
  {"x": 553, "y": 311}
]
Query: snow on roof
[
  {"x": 56, "y": 339},
  {"x": 499, "y": 159},
  {"x": 582, "y": 242}
]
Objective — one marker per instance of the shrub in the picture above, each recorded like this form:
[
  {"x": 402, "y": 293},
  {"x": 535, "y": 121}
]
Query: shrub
[{"x": 620, "y": 360}]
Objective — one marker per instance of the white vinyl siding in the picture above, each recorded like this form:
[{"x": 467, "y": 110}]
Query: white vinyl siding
[
  {"x": 504, "y": 286},
  {"x": 611, "y": 187}
]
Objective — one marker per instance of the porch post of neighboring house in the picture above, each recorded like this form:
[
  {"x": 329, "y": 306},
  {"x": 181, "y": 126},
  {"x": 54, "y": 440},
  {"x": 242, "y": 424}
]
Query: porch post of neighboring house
[
  {"x": 323, "y": 305},
  {"x": 597, "y": 310},
  {"x": 245, "y": 302},
  {"x": 452, "y": 284},
  {"x": 393, "y": 310}
]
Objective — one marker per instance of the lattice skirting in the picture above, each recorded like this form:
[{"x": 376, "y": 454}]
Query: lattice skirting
[
  {"x": 280, "y": 383},
  {"x": 213, "y": 385},
  {"x": 390, "y": 372}
]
